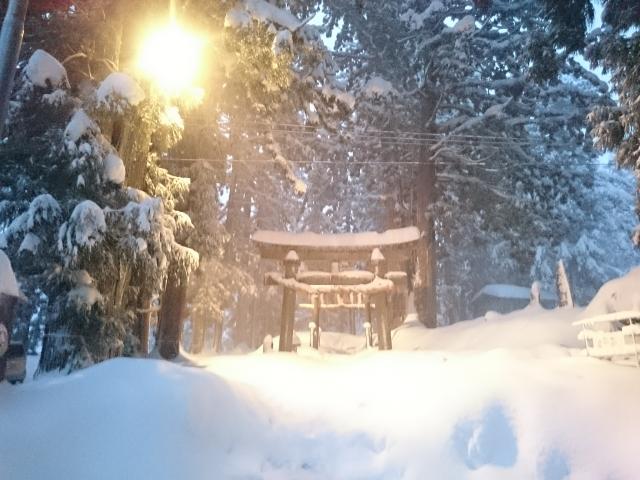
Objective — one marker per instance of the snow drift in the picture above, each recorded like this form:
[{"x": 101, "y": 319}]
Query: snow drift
[
  {"x": 473, "y": 409},
  {"x": 617, "y": 295}
]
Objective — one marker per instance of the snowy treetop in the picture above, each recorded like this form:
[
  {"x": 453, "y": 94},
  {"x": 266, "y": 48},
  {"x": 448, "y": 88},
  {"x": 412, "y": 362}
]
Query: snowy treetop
[{"x": 44, "y": 70}]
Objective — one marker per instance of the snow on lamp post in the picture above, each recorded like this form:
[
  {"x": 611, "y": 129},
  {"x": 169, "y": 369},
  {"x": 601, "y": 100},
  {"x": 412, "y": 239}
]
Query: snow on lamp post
[{"x": 170, "y": 57}]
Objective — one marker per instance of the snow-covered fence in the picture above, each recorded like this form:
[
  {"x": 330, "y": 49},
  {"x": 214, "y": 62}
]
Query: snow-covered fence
[{"x": 612, "y": 335}]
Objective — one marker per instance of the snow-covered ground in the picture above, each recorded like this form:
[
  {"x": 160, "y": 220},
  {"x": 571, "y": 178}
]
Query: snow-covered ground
[{"x": 509, "y": 397}]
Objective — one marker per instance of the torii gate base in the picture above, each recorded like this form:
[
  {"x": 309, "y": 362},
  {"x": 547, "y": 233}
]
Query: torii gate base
[{"x": 371, "y": 290}]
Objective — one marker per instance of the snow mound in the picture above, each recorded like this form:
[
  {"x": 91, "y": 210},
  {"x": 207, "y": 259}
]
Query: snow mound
[
  {"x": 45, "y": 71},
  {"x": 617, "y": 295},
  {"x": 8, "y": 283},
  {"x": 500, "y": 414},
  {"x": 120, "y": 86},
  {"x": 330, "y": 342},
  {"x": 529, "y": 328},
  {"x": 114, "y": 169}
]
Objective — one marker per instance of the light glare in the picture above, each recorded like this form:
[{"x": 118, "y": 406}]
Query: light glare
[{"x": 171, "y": 58}]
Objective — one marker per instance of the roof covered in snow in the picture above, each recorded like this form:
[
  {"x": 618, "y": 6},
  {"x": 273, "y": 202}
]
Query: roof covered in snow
[
  {"x": 366, "y": 240},
  {"x": 309, "y": 245},
  {"x": 506, "y": 291}
]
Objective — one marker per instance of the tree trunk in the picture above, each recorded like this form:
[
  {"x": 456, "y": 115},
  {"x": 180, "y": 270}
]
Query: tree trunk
[
  {"x": 218, "y": 328},
  {"x": 565, "y": 299},
  {"x": 10, "y": 44},
  {"x": 198, "y": 327},
  {"x": 170, "y": 318},
  {"x": 426, "y": 275}
]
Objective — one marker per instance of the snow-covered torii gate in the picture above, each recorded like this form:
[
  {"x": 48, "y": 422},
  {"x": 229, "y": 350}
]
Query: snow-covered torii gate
[{"x": 368, "y": 290}]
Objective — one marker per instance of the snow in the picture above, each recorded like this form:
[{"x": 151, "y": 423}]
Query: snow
[
  {"x": 610, "y": 317},
  {"x": 57, "y": 97},
  {"x": 416, "y": 20},
  {"x": 500, "y": 290},
  {"x": 79, "y": 125},
  {"x": 376, "y": 255},
  {"x": 43, "y": 208},
  {"x": 170, "y": 117},
  {"x": 340, "y": 240},
  {"x": 120, "y": 86},
  {"x": 236, "y": 18},
  {"x": 465, "y": 24},
  {"x": 377, "y": 87},
  {"x": 530, "y": 328},
  {"x": 342, "y": 96},
  {"x": 84, "y": 296},
  {"x": 114, "y": 169},
  {"x": 282, "y": 42},
  {"x": 44, "y": 70},
  {"x": 292, "y": 256},
  {"x": 616, "y": 295},
  {"x": 536, "y": 410},
  {"x": 8, "y": 283},
  {"x": 85, "y": 228},
  {"x": 268, "y": 13},
  {"x": 30, "y": 243}
]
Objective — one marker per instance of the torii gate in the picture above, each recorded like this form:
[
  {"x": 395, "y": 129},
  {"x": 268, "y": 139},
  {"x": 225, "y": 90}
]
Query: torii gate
[{"x": 369, "y": 290}]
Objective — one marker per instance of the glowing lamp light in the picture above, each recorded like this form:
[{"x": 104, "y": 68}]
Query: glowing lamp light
[{"x": 171, "y": 58}]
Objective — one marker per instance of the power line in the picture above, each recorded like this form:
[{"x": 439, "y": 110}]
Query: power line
[
  {"x": 347, "y": 163},
  {"x": 400, "y": 138}
]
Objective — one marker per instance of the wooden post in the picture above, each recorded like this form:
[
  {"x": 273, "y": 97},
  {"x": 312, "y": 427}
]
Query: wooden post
[
  {"x": 368, "y": 322},
  {"x": 315, "y": 334},
  {"x": 384, "y": 322},
  {"x": 352, "y": 321},
  {"x": 384, "y": 308},
  {"x": 291, "y": 264}
]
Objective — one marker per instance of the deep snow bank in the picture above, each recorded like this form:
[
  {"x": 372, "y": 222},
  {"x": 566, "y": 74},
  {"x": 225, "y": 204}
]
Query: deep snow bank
[
  {"x": 617, "y": 295},
  {"x": 500, "y": 414},
  {"x": 532, "y": 327}
]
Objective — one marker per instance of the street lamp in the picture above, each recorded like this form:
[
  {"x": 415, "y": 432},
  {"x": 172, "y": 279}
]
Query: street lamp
[{"x": 171, "y": 58}]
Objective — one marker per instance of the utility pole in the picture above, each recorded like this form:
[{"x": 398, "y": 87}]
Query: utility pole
[{"x": 10, "y": 44}]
